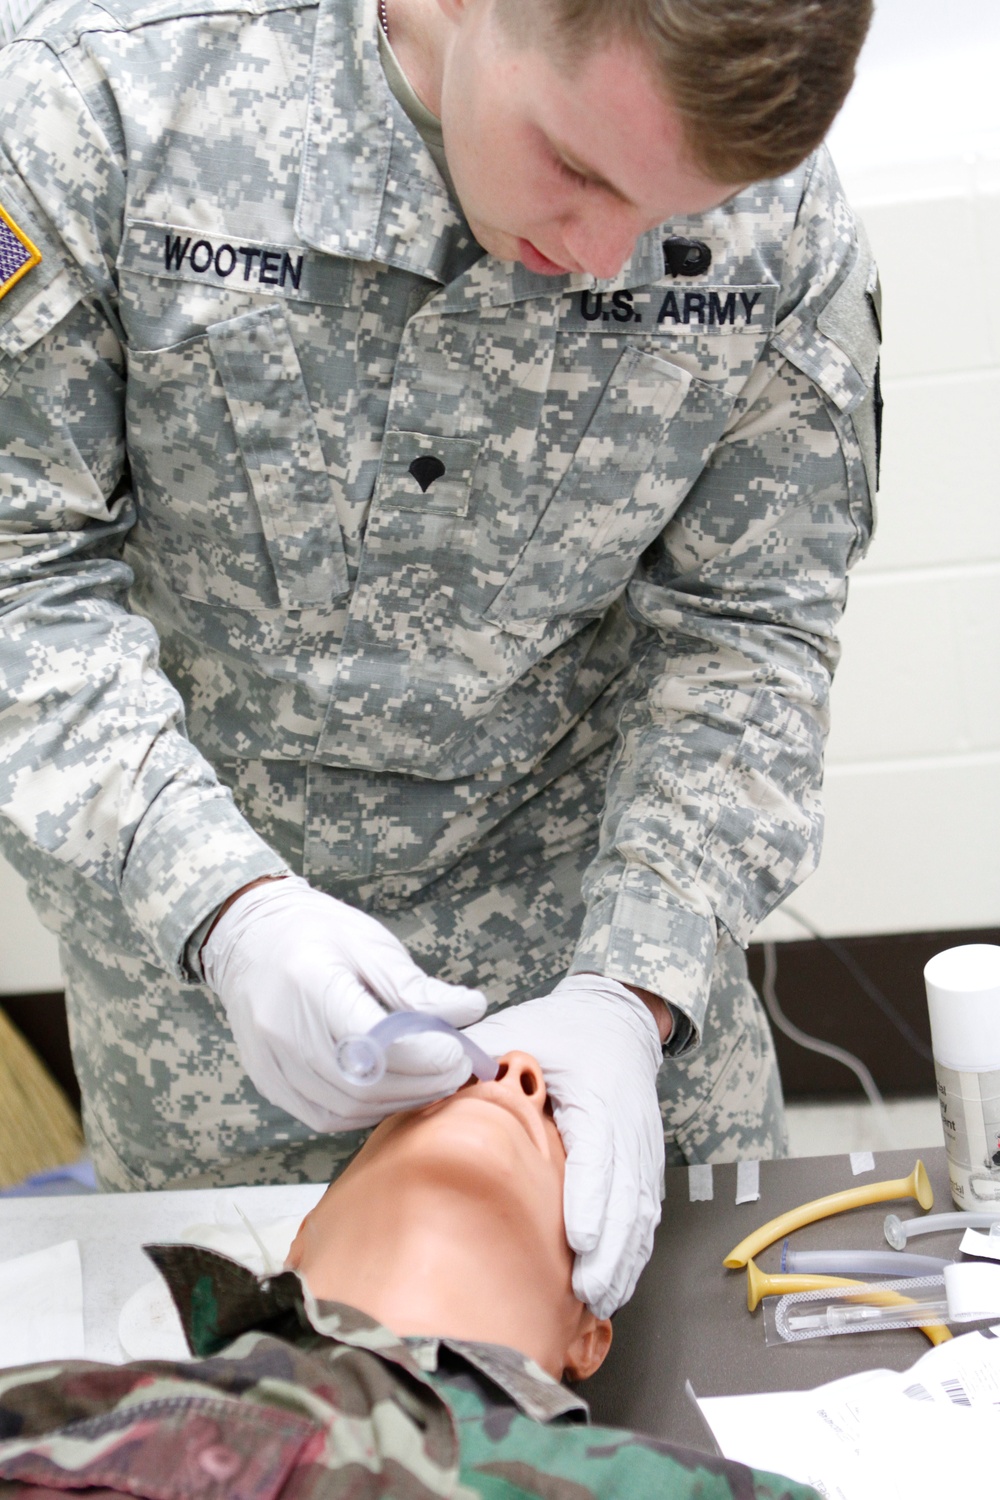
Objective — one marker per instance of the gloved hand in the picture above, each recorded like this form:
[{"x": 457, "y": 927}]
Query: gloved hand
[
  {"x": 599, "y": 1051},
  {"x": 296, "y": 972}
]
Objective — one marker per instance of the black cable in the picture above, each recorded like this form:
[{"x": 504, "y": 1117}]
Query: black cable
[
  {"x": 815, "y": 1043},
  {"x": 868, "y": 986}
]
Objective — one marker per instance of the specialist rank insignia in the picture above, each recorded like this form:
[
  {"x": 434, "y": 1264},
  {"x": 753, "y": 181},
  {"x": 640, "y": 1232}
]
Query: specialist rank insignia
[{"x": 18, "y": 255}]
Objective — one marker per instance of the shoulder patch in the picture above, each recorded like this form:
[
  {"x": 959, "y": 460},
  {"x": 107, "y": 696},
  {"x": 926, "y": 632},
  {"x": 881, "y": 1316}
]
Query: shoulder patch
[{"x": 18, "y": 255}]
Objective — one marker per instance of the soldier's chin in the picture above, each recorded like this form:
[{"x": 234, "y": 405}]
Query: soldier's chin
[
  {"x": 496, "y": 242},
  {"x": 533, "y": 260}
]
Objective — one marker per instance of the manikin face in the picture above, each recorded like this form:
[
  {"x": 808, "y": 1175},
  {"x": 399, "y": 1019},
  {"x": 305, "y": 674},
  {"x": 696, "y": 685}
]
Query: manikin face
[
  {"x": 449, "y": 1222},
  {"x": 562, "y": 171}
]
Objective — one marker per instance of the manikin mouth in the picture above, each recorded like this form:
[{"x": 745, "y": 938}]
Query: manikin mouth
[{"x": 527, "y": 1117}]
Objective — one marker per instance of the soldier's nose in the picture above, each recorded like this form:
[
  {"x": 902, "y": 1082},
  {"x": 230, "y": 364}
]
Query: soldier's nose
[{"x": 602, "y": 250}]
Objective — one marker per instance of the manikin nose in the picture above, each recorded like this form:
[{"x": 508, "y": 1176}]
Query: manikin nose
[{"x": 521, "y": 1072}]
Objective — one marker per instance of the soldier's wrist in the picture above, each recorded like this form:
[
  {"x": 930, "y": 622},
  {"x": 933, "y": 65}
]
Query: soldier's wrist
[
  {"x": 676, "y": 1027},
  {"x": 658, "y": 1008},
  {"x": 196, "y": 943}
]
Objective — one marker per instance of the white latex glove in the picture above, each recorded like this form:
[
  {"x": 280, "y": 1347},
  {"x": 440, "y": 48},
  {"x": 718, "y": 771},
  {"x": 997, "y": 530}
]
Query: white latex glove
[
  {"x": 599, "y": 1051},
  {"x": 296, "y": 972}
]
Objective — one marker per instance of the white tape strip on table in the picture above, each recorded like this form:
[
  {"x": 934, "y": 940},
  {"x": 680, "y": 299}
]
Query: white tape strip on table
[
  {"x": 748, "y": 1182},
  {"x": 862, "y": 1161},
  {"x": 700, "y": 1188}
]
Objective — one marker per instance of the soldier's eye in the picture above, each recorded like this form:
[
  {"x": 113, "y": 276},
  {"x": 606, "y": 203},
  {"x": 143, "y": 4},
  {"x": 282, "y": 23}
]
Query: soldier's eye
[{"x": 565, "y": 170}]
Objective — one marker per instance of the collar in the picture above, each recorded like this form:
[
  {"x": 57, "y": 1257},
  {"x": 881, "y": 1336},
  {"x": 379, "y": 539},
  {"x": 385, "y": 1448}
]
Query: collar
[
  {"x": 369, "y": 189},
  {"x": 495, "y": 283},
  {"x": 219, "y": 1299}
]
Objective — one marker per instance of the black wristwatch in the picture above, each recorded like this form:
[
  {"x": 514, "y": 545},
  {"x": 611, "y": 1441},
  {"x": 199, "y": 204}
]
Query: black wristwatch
[{"x": 681, "y": 1032}]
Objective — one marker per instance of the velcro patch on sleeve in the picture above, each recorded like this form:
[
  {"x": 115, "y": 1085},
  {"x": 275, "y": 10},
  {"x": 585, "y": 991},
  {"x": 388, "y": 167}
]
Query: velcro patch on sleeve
[{"x": 18, "y": 255}]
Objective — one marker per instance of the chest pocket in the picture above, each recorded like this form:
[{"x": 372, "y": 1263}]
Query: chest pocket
[
  {"x": 611, "y": 502},
  {"x": 234, "y": 496}
]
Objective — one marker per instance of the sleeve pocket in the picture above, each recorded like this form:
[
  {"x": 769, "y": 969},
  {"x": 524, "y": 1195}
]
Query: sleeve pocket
[{"x": 840, "y": 354}]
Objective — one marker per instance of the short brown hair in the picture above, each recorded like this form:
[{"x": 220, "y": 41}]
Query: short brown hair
[{"x": 757, "y": 82}]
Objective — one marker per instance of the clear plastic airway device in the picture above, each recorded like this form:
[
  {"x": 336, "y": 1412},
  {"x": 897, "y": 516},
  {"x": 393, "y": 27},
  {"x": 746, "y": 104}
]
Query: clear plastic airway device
[{"x": 361, "y": 1059}]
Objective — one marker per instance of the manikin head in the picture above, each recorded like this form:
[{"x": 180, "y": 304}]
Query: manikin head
[
  {"x": 449, "y": 1222},
  {"x": 573, "y": 126}
]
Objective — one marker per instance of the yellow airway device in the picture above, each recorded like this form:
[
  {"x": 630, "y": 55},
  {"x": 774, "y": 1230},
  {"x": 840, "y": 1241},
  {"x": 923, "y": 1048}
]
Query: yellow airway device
[{"x": 917, "y": 1185}]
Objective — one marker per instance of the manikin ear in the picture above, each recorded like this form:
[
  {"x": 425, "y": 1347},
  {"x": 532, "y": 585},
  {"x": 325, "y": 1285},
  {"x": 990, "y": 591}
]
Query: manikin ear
[
  {"x": 588, "y": 1350},
  {"x": 294, "y": 1257}
]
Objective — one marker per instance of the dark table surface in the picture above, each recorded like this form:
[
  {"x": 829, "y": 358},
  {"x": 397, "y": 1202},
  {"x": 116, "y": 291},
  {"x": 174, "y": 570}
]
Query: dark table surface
[{"x": 688, "y": 1319}]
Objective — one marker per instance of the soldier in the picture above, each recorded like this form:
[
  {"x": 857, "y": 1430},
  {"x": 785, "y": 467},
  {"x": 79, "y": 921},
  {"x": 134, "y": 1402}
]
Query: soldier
[{"x": 429, "y": 481}]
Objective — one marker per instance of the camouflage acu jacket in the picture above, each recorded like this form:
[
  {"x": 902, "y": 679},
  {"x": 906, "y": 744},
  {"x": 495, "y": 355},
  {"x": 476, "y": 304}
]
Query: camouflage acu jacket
[
  {"x": 389, "y": 507},
  {"x": 292, "y": 1398}
]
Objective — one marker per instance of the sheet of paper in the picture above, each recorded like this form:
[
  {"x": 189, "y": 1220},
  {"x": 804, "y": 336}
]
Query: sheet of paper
[
  {"x": 974, "y": 1243},
  {"x": 880, "y": 1435},
  {"x": 964, "y": 1373},
  {"x": 937, "y": 1423},
  {"x": 258, "y": 1243},
  {"x": 148, "y": 1325},
  {"x": 809, "y": 1436},
  {"x": 911, "y": 1451},
  {"x": 41, "y": 1306}
]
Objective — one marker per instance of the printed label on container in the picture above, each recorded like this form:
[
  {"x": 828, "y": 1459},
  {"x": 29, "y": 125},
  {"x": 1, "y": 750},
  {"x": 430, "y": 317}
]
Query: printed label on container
[{"x": 970, "y": 1115}]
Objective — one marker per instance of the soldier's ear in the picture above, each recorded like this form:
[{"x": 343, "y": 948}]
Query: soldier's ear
[{"x": 589, "y": 1349}]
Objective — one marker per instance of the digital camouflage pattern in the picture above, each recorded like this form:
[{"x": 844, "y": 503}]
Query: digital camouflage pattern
[
  {"x": 288, "y": 1397},
  {"x": 179, "y": 1114},
  {"x": 503, "y": 607}
]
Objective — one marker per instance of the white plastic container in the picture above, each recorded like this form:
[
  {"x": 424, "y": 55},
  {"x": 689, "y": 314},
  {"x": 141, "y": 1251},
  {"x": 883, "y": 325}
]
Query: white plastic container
[{"x": 963, "y": 998}]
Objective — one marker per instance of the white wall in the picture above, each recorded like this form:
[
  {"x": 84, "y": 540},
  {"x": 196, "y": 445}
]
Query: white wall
[
  {"x": 29, "y": 963},
  {"x": 29, "y": 959},
  {"x": 913, "y": 782},
  {"x": 13, "y": 14},
  {"x": 913, "y": 779}
]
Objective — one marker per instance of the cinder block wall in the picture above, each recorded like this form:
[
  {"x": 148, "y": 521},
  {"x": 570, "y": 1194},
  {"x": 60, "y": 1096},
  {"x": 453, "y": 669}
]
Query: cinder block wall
[
  {"x": 913, "y": 771},
  {"x": 29, "y": 957},
  {"x": 913, "y": 781}
]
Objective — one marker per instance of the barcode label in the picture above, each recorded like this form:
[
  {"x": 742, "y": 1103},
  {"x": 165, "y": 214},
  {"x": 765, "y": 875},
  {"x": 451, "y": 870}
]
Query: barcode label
[
  {"x": 955, "y": 1391},
  {"x": 918, "y": 1392}
]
